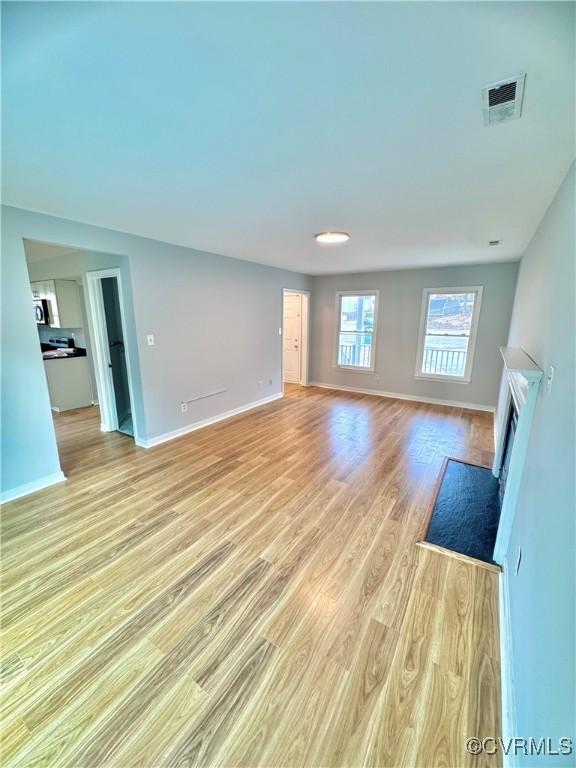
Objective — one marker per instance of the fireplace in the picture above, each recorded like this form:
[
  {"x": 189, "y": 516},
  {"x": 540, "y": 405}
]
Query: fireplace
[
  {"x": 523, "y": 377},
  {"x": 509, "y": 435}
]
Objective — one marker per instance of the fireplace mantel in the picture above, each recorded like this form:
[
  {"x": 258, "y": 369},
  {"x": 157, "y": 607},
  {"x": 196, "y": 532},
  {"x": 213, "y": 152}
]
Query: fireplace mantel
[
  {"x": 523, "y": 374},
  {"x": 524, "y": 377}
]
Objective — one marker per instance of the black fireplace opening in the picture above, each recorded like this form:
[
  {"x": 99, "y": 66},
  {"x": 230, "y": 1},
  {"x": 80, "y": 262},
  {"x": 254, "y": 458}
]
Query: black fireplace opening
[{"x": 510, "y": 433}]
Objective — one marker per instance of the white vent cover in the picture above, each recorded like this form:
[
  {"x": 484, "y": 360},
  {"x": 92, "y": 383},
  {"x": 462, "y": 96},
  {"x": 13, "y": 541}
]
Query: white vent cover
[{"x": 502, "y": 101}]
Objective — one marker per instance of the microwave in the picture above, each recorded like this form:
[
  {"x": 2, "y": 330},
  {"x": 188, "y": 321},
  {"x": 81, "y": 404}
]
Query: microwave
[{"x": 42, "y": 311}]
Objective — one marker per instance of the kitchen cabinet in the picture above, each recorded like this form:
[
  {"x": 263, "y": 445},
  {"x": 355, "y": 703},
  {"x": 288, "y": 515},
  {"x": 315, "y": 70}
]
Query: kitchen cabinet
[
  {"x": 68, "y": 383},
  {"x": 63, "y": 297}
]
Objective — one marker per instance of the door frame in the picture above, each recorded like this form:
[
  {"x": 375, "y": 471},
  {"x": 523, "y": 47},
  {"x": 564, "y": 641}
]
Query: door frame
[
  {"x": 99, "y": 332},
  {"x": 304, "y": 335}
]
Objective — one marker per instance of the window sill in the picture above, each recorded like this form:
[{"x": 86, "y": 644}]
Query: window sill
[
  {"x": 437, "y": 377},
  {"x": 353, "y": 369}
]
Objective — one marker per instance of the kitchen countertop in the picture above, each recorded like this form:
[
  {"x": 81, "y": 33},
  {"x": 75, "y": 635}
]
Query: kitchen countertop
[{"x": 63, "y": 353}]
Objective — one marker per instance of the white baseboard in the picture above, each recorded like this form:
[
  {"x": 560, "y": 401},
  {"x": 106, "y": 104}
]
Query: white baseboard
[
  {"x": 412, "y": 398},
  {"x": 36, "y": 485},
  {"x": 506, "y": 670},
  {"x": 205, "y": 422}
]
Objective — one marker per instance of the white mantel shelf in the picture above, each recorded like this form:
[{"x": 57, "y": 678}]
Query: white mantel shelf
[
  {"x": 524, "y": 374},
  {"x": 517, "y": 361}
]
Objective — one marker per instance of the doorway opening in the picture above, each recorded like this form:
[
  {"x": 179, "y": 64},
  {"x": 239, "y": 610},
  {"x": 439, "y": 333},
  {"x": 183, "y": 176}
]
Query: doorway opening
[
  {"x": 76, "y": 298},
  {"x": 117, "y": 354},
  {"x": 110, "y": 352},
  {"x": 63, "y": 312},
  {"x": 295, "y": 323}
]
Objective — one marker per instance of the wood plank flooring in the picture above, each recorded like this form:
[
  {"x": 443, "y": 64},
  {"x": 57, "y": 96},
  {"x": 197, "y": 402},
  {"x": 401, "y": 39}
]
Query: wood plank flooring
[{"x": 249, "y": 595}]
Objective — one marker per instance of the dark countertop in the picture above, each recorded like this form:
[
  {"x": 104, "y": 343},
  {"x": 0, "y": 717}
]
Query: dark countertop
[{"x": 48, "y": 352}]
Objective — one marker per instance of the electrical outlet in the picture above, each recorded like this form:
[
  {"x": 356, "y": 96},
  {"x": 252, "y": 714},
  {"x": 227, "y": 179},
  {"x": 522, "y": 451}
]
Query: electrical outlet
[
  {"x": 518, "y": 561},
  {"x": 184, "y": 406}
]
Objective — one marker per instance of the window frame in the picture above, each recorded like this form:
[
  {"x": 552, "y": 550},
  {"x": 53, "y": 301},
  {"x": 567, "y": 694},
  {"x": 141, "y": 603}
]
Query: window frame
[
  {"x": 338, "y": 305},
  {"x": 467, "y": 377}
]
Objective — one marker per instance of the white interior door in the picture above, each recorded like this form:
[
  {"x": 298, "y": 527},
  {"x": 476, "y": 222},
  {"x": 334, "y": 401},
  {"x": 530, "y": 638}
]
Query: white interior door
[{"x": 292, "y": 336}]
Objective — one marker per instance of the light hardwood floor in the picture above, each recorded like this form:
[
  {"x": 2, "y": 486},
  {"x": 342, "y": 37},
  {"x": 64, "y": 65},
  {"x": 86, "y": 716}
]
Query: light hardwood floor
[{"x": 249, "y": 595}]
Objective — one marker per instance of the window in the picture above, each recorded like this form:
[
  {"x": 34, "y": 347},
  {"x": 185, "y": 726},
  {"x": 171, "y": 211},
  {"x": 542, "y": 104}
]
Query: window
[
  {"x": 356, "y": 314},
  {"x": 448, "y": 333}
]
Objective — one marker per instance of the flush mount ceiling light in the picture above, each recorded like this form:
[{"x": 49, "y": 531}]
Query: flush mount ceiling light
[{"x": 332, "y": 238}]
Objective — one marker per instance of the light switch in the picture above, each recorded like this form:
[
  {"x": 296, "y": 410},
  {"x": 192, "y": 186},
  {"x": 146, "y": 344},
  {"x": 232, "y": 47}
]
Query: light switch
[
  {"x": 550, "y": 378},
  {"x": 150, "y": 339}
]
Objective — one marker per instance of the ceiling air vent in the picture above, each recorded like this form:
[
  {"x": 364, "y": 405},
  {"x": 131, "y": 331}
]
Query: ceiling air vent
[{"x": 503, "y": 101}]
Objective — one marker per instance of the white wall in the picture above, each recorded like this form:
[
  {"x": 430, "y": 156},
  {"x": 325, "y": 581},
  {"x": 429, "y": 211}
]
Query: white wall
[
  {"x": 398, "y": 322},
  {"x": 215, "y": 321},
  {"x": 542, "y": 596}
]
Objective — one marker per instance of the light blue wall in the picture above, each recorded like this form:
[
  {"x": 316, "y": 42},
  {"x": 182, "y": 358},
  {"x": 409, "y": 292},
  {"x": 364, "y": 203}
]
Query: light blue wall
[
  {"x": 398, "y": 323},
  {"x": 215, "y": 321},
  {"x": 28, "y": 450},
  {"x": 542, "y": 595}
]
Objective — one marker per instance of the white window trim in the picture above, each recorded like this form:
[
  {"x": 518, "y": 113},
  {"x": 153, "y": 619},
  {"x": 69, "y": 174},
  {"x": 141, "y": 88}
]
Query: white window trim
[
  {"x": 356, "y": 368},
  {"x": 467, "y": 377}
]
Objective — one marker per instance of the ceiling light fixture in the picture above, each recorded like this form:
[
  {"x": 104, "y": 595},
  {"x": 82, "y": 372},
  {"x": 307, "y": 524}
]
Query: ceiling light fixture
[{"x": 332, "y": 238}]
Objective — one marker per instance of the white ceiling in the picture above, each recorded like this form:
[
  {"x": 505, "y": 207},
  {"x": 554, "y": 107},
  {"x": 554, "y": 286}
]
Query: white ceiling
[{"x": 244, "y": 128}]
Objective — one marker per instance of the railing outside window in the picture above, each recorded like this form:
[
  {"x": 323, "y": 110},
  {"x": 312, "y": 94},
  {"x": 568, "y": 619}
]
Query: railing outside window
[
  {"x": 445, "y": 362},
  {"x": 354, "y": 354}
]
